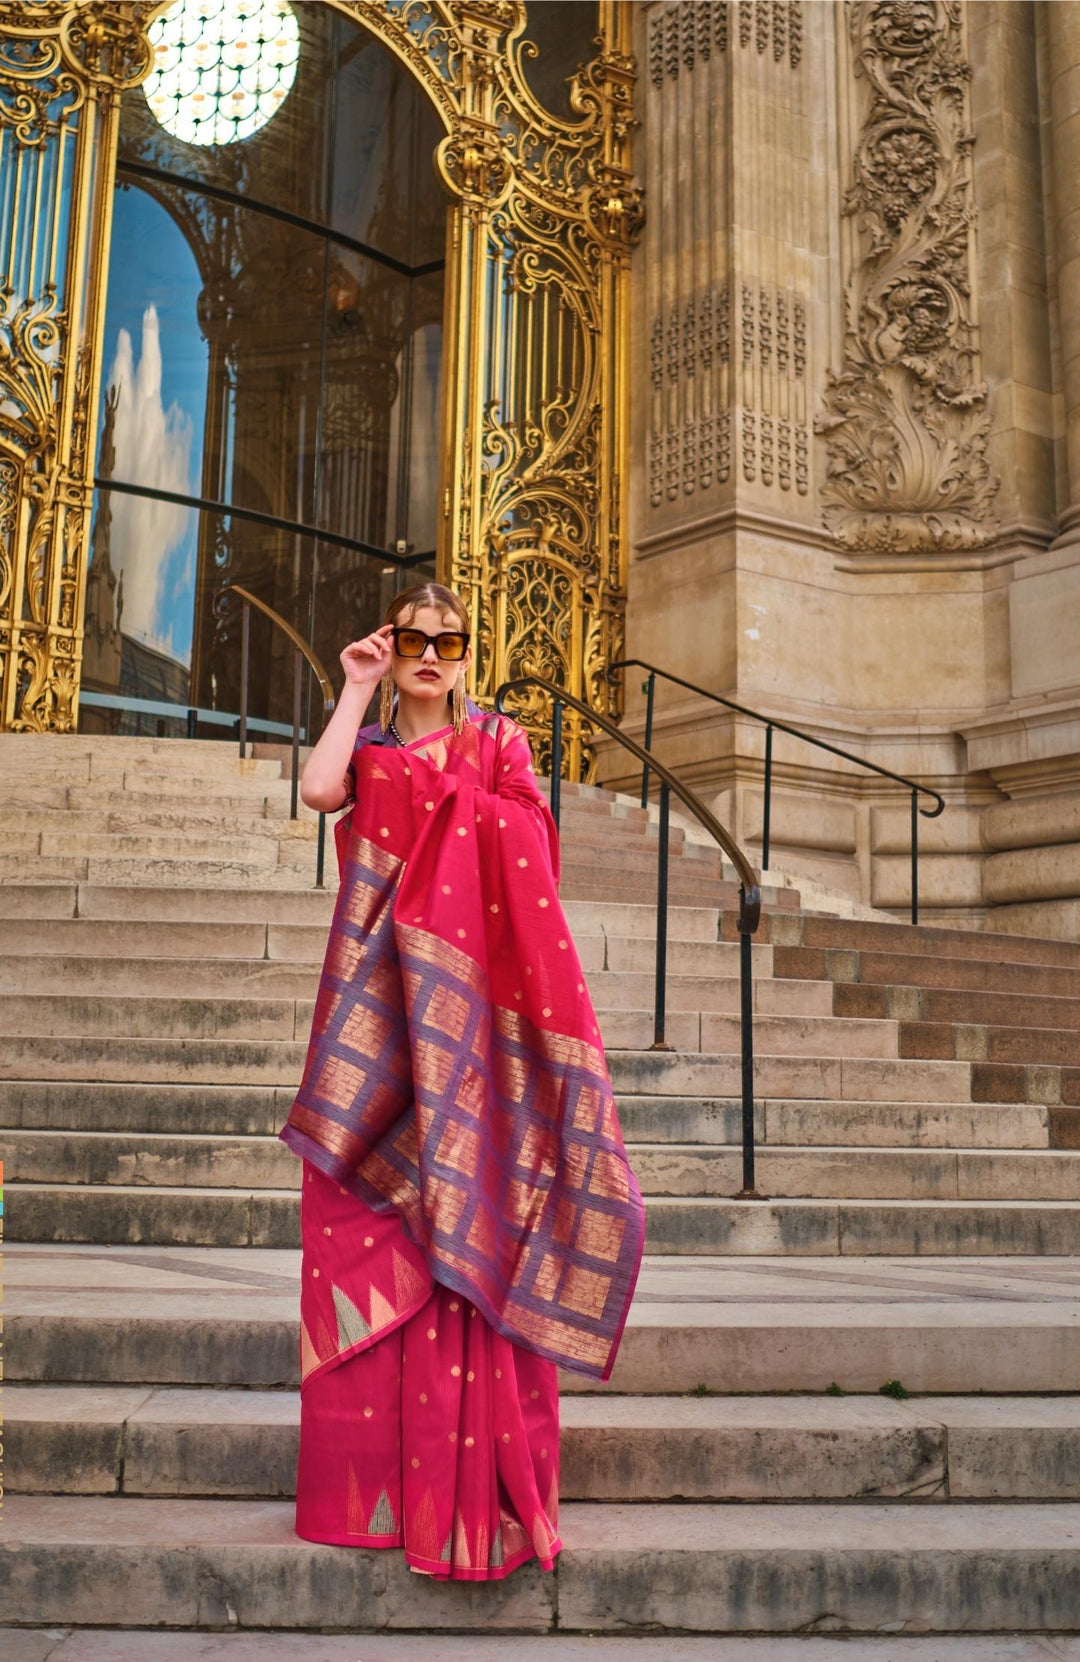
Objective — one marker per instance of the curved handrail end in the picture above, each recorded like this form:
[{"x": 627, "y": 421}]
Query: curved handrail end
[
  {"x": 749, "y": 909},
  {"x": 287, "y": 629}
]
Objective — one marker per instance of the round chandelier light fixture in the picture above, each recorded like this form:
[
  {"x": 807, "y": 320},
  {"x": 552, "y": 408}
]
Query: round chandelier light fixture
[{"x": 222, "y": 68}]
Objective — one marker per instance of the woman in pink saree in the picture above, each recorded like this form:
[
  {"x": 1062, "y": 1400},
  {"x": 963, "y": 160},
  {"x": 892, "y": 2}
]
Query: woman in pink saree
[{"x": 469, "y": 1220}]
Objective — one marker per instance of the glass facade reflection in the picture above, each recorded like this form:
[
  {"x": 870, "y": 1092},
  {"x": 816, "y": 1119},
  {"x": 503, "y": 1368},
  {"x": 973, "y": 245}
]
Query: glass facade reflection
[{"x": 271, "y": 382}]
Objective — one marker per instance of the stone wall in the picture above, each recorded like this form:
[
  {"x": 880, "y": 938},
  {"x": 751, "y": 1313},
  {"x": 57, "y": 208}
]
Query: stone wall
[{"x": 855, "y": 455}]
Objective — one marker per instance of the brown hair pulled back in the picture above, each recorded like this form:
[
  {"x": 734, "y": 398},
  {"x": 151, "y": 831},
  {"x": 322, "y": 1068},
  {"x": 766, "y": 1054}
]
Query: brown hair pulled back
[{"x": 427, "y": 594}]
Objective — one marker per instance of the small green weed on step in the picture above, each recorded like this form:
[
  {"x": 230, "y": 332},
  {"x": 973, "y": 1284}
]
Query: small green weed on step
[
  {"x": 893, "y": 1388},
  {"x": 835, "y": 1390}
]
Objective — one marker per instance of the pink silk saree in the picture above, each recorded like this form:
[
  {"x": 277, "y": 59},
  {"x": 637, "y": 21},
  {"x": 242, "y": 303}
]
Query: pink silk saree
[{"x": 469, "y": 1219}]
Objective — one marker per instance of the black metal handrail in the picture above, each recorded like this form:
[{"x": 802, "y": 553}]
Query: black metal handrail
[
  {"x": 749, "y": 892},
  {"x": 303, "y": 654},
  {"x": 771, "y": 723}
]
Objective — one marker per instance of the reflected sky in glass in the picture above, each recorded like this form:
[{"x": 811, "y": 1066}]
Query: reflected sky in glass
[{"x": 156, "y": 371}]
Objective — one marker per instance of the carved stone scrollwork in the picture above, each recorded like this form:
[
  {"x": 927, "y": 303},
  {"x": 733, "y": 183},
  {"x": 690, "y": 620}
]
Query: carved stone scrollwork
[
  {"x": 685, "y": 33},
  {"x": 906, "y": 419}
]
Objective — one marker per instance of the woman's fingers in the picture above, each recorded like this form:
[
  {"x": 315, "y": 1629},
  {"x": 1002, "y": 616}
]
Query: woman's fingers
[{"x": 372, "y": 652}]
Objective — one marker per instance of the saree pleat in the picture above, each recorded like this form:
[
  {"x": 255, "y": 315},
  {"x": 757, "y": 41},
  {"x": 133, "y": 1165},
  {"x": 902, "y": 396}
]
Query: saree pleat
[{"x": 434, "y": 1433}]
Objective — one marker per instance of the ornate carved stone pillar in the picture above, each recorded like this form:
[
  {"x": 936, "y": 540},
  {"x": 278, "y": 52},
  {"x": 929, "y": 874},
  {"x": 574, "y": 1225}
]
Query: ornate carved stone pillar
[
  {"x": 905, "y": 414},
  {"x": 818, "y": 527},
  {"x": 62, "y": 69},
  {"x": 728, "y": 296},
  {"x": 727, "y": 265},
  {"x": 1063, "y": 75},
  {"x": 1010, "y": 257}
]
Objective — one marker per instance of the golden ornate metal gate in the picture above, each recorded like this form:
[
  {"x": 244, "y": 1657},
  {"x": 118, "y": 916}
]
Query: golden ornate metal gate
[{"x": 543, "y": 212}]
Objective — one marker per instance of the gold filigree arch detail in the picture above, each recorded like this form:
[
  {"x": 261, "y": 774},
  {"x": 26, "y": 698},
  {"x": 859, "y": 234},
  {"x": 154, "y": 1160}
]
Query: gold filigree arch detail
[{"x": 542, "y": 214}]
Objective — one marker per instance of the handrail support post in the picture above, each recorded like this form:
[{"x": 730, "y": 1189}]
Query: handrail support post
[
  {"x": 914, "y": 856},
  {"x": 660, "y": 1018},
  {"x": 767, "y": 812},
  {"x": 556, "y": 758},
  {"x": 650, "y": 688},
  {"x": 245, "y": 660},
  {"x": 298, "y": 687},
  {"x": 320, "y": 855},
  {"x": 746, "y": 1023}
]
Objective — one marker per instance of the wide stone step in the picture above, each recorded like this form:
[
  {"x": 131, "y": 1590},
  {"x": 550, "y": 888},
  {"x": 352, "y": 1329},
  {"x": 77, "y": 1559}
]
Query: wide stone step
[
  {"x": 247, "y": 798},
  {"x": 631, "y": 920},
  {"x": 168, "y": 903},
  {"x": 191, "y": 1215},
  {"x": 68, "y": 1644},
  {"x": 583, "y": 881},
  {"x": 637, "y": 1072},
  {"x": 135, "y": 1015},
  {"x": 909, "y": 1125},
  {"x": 268, "y": 1061},
  {"x": 54, "y": 748},
  {"x": 950, "y": 1004},
  {"x": 89, "y": 1105},
  {"x": 62, "y": 1015},
  {"x": 251, "y": 850},
  {"x": 202, "y": 824},
  {"x": 186, "y": 976},
  {"x": 156, "y": 1441},
  {"x": 629, "y": 925},
  {"x": 924, "y": 969},
  {"x": 69, "y": 946},
  {"x": 168, "y": 1061},
  {"x": 853, "y": 1227},
  {"x": 708, "y": 1568},
  {"x": 935, "y": 941},
  {"x": 94, "y": 938},
  {"x": 244, "y": 1110},
  {"x": 148, "y": 773},
  {"x": 254, "y": 975},
  {"x": 18, "y": 871},
  {"x": 637, "y": 857},
  {"x": 1027, "y": 1082},
  {"x": 194, "y": 1316},
  {"x": 865, "y": 1174},
  {"x": 265, "y": 1162},
  {"x": 990, "y": 1044},
  {"x": 132, "y": 872}
]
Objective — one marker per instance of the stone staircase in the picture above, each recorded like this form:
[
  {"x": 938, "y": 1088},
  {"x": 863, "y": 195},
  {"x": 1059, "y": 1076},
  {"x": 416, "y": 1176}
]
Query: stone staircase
[{"x": 918, "y": 1117}]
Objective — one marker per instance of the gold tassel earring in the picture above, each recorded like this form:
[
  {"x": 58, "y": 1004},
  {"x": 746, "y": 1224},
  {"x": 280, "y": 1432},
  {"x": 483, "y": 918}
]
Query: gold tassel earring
[
  {"x": 386, "y": 700},
  {"x": 460, "y": 710}
]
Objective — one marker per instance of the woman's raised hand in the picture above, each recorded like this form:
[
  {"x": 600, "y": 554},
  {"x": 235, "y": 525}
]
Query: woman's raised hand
[{"x": 365, "y": 661}]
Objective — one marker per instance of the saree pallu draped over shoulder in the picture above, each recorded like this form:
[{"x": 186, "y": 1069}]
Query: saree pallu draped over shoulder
[{"x": 456, "y": 1118}]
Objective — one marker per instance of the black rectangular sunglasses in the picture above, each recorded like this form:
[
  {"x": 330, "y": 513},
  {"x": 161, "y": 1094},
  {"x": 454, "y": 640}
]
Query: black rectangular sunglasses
[{"x": 412, "y": 643}]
